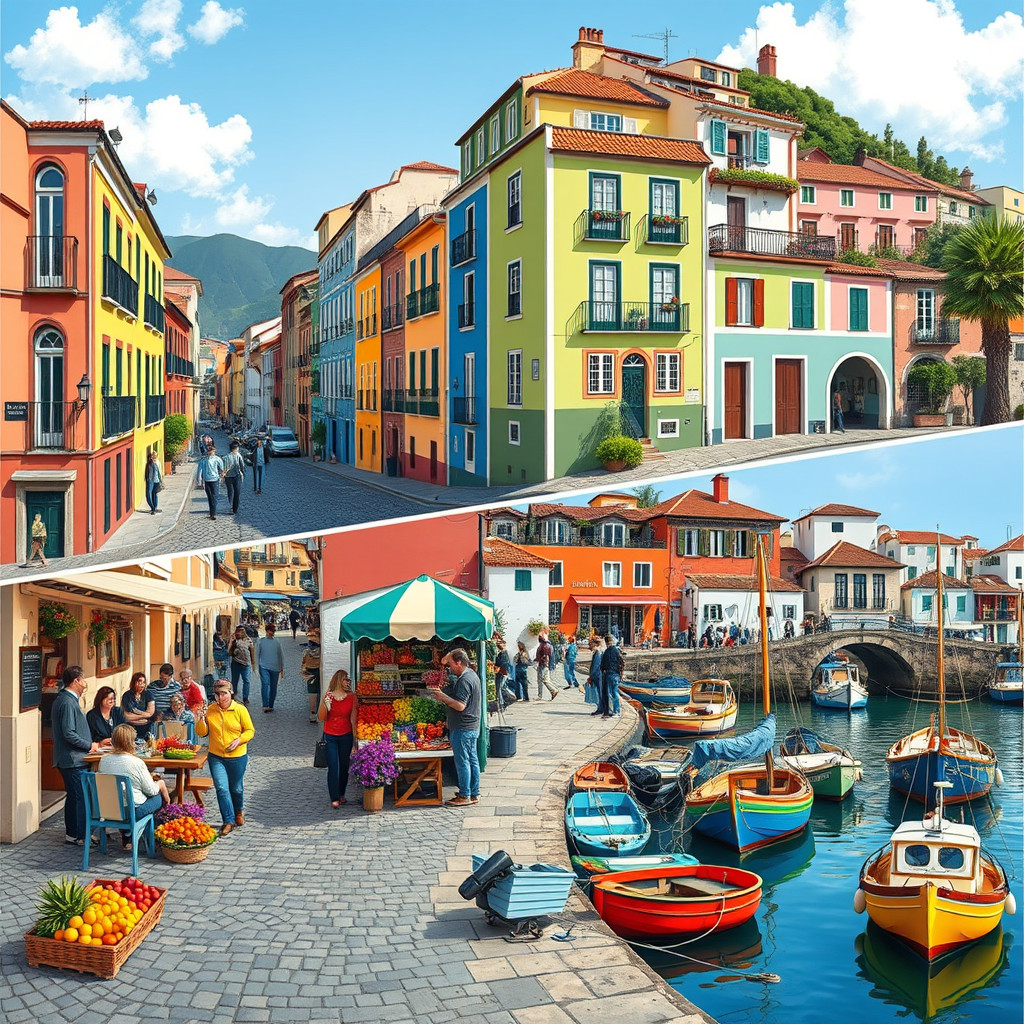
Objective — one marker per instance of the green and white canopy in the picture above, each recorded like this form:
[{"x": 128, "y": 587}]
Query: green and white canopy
[{"x": 420, "y": 610}]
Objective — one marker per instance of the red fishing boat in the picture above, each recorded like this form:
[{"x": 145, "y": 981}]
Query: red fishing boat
[
  {"x": 668, "y": 902},
  {"x": 602, "y": 775}
]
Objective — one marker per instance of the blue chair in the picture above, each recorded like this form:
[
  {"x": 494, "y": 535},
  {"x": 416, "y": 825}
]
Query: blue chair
[
  {"x": 109, "y": 803},
  {"x": 179, "y": 730}
]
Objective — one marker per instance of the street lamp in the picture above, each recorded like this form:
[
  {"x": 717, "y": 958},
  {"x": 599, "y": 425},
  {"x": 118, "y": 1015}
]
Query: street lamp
[{"x": 84, "y": 387}]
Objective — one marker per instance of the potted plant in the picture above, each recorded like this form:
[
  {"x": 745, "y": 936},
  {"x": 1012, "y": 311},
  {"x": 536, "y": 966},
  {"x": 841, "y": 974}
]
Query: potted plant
[
  {"x": 318, "y": 436},
  {"x": 671, "y": 306},
  {"x": 935, "y": 380},
  {"x": 374, "y": 766},
  {"x": 619, "y": 452},
  {"x": 177, "y": 431},
  {"x": 55, "y": 621},
  {"x": 535, "y": 627},
  {"x": 99, "y": 629}
]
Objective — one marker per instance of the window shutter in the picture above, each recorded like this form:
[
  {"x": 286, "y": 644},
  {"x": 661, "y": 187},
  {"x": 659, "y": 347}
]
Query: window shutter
[
  {"x": 719, "y": 134},
  {"x": 629, "y": 125},
  {"x": 703, "y": 542},
  {"x": 759, "y": 302},
  {"x": 732, "y": 312},
  {"x": 580, "y": 119},
  {"x": 761, "y": 145},
  {"x": 680, "y": 542}
]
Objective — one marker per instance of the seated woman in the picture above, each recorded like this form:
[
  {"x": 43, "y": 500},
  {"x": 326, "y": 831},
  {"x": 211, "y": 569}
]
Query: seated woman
[
  {"x": 138, "y": 705},
  {"x": 149, "y": 791},
  {"x": 105, "y": 715},
  {"x": 190, "y": 689}
]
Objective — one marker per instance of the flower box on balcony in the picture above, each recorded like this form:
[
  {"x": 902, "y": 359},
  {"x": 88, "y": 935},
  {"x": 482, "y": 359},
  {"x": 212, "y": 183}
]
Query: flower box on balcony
[
  {"x": 664, "y": 220},
  {"x": 609, "y": 215}
]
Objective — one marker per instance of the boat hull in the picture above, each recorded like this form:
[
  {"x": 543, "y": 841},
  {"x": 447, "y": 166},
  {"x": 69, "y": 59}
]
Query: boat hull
[
  {"x": 648, "y": 695},
  {"x": 606, "y": 824},
  {"x": 635, "y": 916},
  {"x": 588, "y": 866},
  {"x": 670, "y": 724},
  {"x": 602, "y": 776},
  {"x": 1001, "y": 695},
  {"x": 831, "y": 778},
  {"x": 918, "y": 761},
  {"x": 842, "y": 698}
]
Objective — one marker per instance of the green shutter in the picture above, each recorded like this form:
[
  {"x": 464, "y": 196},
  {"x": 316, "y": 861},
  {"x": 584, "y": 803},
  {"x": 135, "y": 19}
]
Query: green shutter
[
  {"x": 680, "y": 542},
  {"x": 761, "y": 145},
  {"x": 703, "y": 542},
  {"x": 803, "y": 304},
  {"x": 719, "y": 134},
  {"x": 858, "y": 309}
]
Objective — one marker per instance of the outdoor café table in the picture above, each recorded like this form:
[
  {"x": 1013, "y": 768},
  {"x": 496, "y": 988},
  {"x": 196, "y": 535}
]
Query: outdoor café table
[
  {"x": 423, "y": 766},
  {"x": 182, "y": 767}
]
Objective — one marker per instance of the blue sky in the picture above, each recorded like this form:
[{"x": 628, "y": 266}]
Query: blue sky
[
  {"x": 966, "y": 483},
  {"x": 254, "y": 117}
]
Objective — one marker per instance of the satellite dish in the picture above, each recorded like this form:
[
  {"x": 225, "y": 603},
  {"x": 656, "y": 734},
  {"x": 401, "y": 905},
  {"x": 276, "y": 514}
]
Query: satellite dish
[
  {"x": 151, "y": 198},
  {"x": 115, "y": 136}
]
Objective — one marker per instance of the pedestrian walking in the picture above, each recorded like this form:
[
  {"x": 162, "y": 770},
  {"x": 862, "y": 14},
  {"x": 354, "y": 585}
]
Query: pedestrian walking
[
  {"x": 338, "y": 711},
  {"x": 569, "y": 664},
  {"x": 616, "y": 633},
  {"x": 520, "y": 668},
  {"x": 545, "y": 654},
  {"x": 38, "y": 540},
  {"x": 259, "y": 466},
  {"x": 234, "y": 474},
  {"x": 295, "y": 619},
  {"x": 611, "y": 674},
  {"x": 502, "y": 673},
  {"x": 270, "y": 661},
  {"x": 72, "y": 740},
  {"x": 230, "y": 729},
  {"x": 209, "y": 472},
  {"x": 154, "y": 483},
  {"x": 592, "y": 694},
  {"x": 837, "y": 411},
  {"x": 242, "y": 652},
  {"x": 311, "y": 673},
  {"x": 462, "y": 698}
]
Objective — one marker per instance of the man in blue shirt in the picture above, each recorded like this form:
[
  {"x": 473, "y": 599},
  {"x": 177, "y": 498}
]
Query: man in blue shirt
[
  {"x": 72, "y": 740},
  {"x": 163, "y": 689},
  {"x": 234, "y": 474},
  {"x": 209, "y": 473}
]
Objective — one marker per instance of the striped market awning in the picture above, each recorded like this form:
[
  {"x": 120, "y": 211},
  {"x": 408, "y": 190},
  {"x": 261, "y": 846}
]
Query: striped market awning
[{"x": 420, "y": 610}]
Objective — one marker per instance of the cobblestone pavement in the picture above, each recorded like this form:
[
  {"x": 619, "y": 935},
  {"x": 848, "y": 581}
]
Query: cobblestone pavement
[{"x": 309, "y": 914}]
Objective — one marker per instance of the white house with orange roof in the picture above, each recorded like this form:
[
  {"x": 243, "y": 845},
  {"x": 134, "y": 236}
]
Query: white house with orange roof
[
  {"x": 818, "y": 529},
  {"x": 918, "y": 603},
  {"x": 852, "y": 585},
  {"x": 1006, "y": 561},
  {"x": 516, "y": 580},
  {"x": 917, "y": 550}
]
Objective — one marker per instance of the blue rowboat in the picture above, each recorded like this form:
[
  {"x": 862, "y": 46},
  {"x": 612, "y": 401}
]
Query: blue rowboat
[
  {"x": 1008, "y": 686},
  {"x": 528, "y": 890},
  {"x": 670, "y": 690},
  {"x": 929, "y": 755},
  {"x": 606, "y": 824}
]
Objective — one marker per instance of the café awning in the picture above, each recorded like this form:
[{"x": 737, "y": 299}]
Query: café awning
[
  {"x": 420, "y": 610},
  {"x": 125, "y": 591}
]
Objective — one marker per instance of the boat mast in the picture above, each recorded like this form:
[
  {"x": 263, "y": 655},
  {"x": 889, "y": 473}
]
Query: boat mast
[
  {"x": 762, "y": 586},
  {"x": 942, "y": 638}
]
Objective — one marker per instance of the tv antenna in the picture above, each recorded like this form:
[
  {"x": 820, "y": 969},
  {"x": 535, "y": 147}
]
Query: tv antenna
[
  {"x": 663, "y": 36},
  {"x": 84, "y": 100}
]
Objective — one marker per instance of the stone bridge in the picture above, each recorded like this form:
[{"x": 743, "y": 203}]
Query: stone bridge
[{"x": 888, "y": 660}]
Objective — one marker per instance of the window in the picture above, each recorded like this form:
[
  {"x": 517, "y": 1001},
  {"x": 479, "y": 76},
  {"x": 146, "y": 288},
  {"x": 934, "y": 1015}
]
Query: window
[
  {"x": 515, "y": 195},
  {"x": 744, "y": 302},
  {"x": 604, "y": 195},
  {"x": 605, "y": 313},
  {"x": 495, "y": 135},
  {"x": 971, "y": 211},
  {"x": 687, "y": 542},
  {"x": 926, "y": 602},
  {"x": 268, "y": 577},
  {"x": 858, "y": 309},
  {"x": 885, "y": 238},
  {"x": 961, "y": 603},
  {"x": 713, "y": 613},
  {"x": 465, "y": 159},
  {"x": 920, "y": 204},
  {"x": 611, "y": 573},
  {"x": 708, "y": 74},
  {"x": 741, "y": 544},
  {"x": 666, "y": 373},
  {"x": 911, "y": 572},
  {"x": 515, "y": 377},
  {"x": 613, "y": 535},
  {"x": 885, "y": 200},
  {"x": 481, "y": 153},
  {"x": 511, "y": 120},
  {"x": 860, "y": 590},
  {"x": 515, "y": 285},
  {"x": 840, "y": 600},
  {"x": 719, "y": 132},
  {"x": 716, "y": 543},
  {"x": 846, "y": 197},
  {"x": 503, "y": 528},
  {"x": 642, "y": 573},
  {"x": 925, "y": 313},
  {"x": 556, "y": 531},
  {"x": 837, "y": 527},
  {"x": 115, "y": 654},
  {"x": 803, "y": 305},
  {"x": 513, "y": 432},
  {"x": 726, "y": 78},
  {"x": 809, "y": 228},
  {"x": 601, "y": 122},
  {"x": 555, "y": 575},
  {"x": 524, "y": 579},
  {"x": 554, "y": 612},
  {"x": 789, "y": 611},
  {"x": 49, "y": 263},
  {"x": 808, "y": 194},
  {"x": 600, "y": 373},
  {"x": 1018, "y": 352},
  {"x": 664, "y": 294}
]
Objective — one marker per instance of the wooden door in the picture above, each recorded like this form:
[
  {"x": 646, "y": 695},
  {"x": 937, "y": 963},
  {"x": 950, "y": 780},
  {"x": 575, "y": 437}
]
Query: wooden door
[
  {"x": 736, "y": 218},
  {"x": 50, "y": 506},
  {"x": 787, "y": 396},
  {"x": 735, "y": 400}
]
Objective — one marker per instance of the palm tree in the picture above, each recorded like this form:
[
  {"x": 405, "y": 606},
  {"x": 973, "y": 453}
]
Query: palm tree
[
  {"x": 984, "y": 267},
  {"x": 646, "y": 496}
]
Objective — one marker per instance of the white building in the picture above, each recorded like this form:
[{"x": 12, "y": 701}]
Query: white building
[
  {"x": 726, "y": 600},
  {"x": 821, "y": 528},
  {"x": 516, "y": 580},
  {"x": 919, "y": 604},
  {"x": 253, "y": 338},
  {"x": 917, "y": 549},
  {"x": 1005, "y": 561}
]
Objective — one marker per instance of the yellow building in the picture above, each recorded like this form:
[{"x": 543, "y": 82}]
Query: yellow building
[
  {"x": 280, "y": 569},
  {"x": 1005, "y": 202},
  {"x": 367, "y": 365}
]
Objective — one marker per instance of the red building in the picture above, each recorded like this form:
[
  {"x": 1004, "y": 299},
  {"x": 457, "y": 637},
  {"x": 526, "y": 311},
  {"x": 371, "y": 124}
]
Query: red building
[
  {"x": 393, "y": 355},
  {"x": 178, "y": 367}
]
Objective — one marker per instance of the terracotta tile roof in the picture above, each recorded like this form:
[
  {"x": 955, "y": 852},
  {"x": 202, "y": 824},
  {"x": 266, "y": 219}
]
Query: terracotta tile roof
[
  {"x": 838, "y": 510},
  {"x": 695, "y": 504},
  {"x": 936, "y": 186},
  {"x": 651, "y": 147},
  {"x": 930, "y": 581},
  {"x": 427, "y": 165},
  {"x": 174, "y": 274},
  {"x": 1016, "y": 544},
  {"x": 991, "y": 585},
  {"x": 757, "y": 110},
  {"x": 727, "y": 581},
  {"x": 972, "y": 554},
  {"x": 632, "y": 53},
  {"x": 502, "y": 552},
  {"x": 73, "y": 125},
  {"x": 903, "y": 270},
  {"x": 590, "y": 513},
  {"x": 843, "y": 554},
  {"x": 918, "y": 537},
  {"x": 507, "y": 510},
  {"x": 853, "y": 269},
  {"x": 792, "y": 560},
  {"x": 179, "y": 306},
  {"x": 591, "y": 86},
  {"x": 849, "y": 174}
]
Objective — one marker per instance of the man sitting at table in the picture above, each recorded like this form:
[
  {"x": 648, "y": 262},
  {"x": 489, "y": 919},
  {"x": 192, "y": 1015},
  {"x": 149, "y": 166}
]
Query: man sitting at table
[
  {"x": 163, "y": 689},
  {"x": 149, "y": 792}
]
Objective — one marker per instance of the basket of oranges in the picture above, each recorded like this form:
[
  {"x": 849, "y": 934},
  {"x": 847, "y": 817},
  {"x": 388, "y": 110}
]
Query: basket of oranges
[{"x": 185, "y": 840}]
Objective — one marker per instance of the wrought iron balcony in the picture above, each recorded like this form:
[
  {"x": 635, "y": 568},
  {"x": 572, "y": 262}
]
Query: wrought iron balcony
[
  {"x": 153, "y": 314},
  {"x": 938, "y": 332},
  {"x": 156, "y": 408},
  {"x": 467, "y": 314},
  {"x": 391, "y": 317},
  {"x": 768, "y": 242},
  {"x": 50, "y": 425},
  {"x": 175, "y": 365},
  {"x": 605, "y": 225},
  {"x": 393, "y": 400},
  {"x": 657, "y": 317},
  {"x": 422, "y": 402},
  {"x": 119, "y": 286},
  {"x": 659, "y": 229},
  {"x": 464, "y": 247},
  {"x": 118, "y": 415},
  {"x": 464, "y": 411},
  {"x": 739, "y": 161},
  {"x": 587, "y": 536},
  {"x": 52, "y": 262}
]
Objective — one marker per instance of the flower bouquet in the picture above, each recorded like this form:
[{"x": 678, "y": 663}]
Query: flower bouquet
[
  {"x": 171, "y": 746},
  {"x": 99, "y": 629},
  {"x": 186, "y": 810},
  {"x": 374, "y": 766}
]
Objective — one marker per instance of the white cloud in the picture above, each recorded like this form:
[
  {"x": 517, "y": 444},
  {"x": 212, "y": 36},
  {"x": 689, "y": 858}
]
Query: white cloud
[
  {"x": 71, "y": 54},
  {"x": 943, "y": 81},
  {"x": 278, "y": 234},
  {"x": 239, "y": 210},
  {"x": 160, "y": 18},
  {"x": 215, "y": 22}
]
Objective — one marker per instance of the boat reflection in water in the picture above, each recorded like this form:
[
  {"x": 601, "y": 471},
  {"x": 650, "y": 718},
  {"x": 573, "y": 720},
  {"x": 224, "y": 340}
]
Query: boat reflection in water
[
  {"x": 831, "y": 820},
  {"x": 927, "y": 988},
  {"x": 739, "y": 949},
  {"x": 775, "y": 864}
]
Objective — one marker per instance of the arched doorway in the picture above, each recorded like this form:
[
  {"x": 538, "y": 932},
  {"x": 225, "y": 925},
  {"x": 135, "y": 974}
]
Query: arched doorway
[
  {"x": 634, "y": 394},
  {"x": 861, "y": 388}
]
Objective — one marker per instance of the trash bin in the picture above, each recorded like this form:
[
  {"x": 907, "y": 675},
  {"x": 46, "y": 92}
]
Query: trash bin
[{"x": 503, "y": 740}]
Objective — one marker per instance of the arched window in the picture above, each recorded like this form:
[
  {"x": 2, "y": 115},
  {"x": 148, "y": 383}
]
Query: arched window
[
  {"x": 49, "y": 227},
  {"x": 49, "y": 417}
]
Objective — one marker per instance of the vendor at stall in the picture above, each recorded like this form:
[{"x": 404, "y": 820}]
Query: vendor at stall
[{"x": 462, "y": 698}]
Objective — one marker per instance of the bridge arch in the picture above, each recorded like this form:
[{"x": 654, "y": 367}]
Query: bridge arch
[{"x": 881, "y": 667}]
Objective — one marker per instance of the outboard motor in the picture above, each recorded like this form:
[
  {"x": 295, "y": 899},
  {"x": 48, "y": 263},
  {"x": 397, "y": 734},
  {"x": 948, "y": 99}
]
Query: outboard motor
[{"x": 495, "y": 867}]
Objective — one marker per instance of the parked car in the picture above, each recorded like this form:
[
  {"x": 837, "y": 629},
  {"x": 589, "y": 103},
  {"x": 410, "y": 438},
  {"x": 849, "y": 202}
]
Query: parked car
[{"x": 283, "y": 441}]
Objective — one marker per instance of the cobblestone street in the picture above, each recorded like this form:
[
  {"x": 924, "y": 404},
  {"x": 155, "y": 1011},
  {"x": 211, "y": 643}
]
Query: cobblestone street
[{"x": 310, "y": 914}]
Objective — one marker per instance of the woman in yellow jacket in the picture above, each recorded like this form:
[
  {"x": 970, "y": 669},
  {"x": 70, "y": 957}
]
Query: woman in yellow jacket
[{"x": 229, "y": 727}]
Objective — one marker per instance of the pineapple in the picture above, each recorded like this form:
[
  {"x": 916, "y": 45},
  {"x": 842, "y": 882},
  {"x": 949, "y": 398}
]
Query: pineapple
[{"x": 58, "y": 903}]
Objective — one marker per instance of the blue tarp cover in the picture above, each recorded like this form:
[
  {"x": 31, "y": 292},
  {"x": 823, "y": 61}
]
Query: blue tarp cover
[{"x": 739, "y": 748}]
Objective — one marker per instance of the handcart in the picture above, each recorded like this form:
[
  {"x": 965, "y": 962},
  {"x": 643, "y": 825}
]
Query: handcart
[{"x": 515, "y": 896}]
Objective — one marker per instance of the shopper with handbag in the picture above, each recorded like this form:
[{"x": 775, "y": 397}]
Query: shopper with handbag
[
  {"x": 338, "y": 711},
  {"x": 154, "y": 483}
]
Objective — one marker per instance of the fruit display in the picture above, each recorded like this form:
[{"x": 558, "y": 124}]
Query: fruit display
[
  {"x": 171, "y": 746},
  {"x": 374, "y": 720},
  {"x": 372, "y": 684},
  {"x": 185, "y": 833},
  {"x": 418, "y": 709},
  {"x": 102, "y": 915}
]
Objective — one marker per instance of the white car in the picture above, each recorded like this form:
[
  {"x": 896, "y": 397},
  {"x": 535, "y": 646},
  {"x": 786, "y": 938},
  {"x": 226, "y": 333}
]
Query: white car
[{"x": 283, "y": 442}]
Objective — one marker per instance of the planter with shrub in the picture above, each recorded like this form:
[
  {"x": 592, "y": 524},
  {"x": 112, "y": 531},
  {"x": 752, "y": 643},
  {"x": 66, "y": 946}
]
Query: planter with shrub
[{"x": 620, "y": 452}]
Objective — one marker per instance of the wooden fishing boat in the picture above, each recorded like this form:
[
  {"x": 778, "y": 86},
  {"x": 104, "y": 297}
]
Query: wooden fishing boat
[
  {"x": 933, "y": 886},
  {"x": 600, "y": 775},
  {"x": 939, "y": 752},
  {"x": 676, "y": 902},
  {"x": 668, "y": 690},
  {"x": 836, "y": 684},
  {"x": 606, "y": 824},
  {"x": 1008, "y": 685},
  {"x": 586, "y": 867},
  {"x": 712, "y": 709},
  {"x": 750, "y": 806},
  {"x": 830, "y": 770},
  {"x": 659, "y": 777}
]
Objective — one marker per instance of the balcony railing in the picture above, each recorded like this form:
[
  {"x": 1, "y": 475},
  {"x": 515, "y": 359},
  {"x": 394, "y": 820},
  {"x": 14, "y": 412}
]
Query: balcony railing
[
  {"x": 262, "y": 558},
  {"x": 176, "y": 365},
  {"x": 464, "y": 411},
  {"x": 156, "y": 408},
  {"x": 118, "y": 415},
  {"x": 422, "y": 402},
  {"x": 52, "y": 262},
  {"x": 50, "y": 425},
  {"x": 421, "y": 302},
  {"x": 464, "y": 247},
  {"x": 392, "y": 316},
  {"x": 119, "y": 286},
  {"x": 467, "y": 314},
  {"x": 657, "y": 317},
  {"x": 938, "y": 332},
  {"x": 153, "y": 314},
  {"x": 995, "y": 615},
  {"x": 586, "y": 537},
  {"x": 393, "y": 401},
  {"x": 768, "y": 242},
  {"x": 738, "y": 161},
  {"x": 605, "y": 225},
  {"x": 665, "y": 230}
]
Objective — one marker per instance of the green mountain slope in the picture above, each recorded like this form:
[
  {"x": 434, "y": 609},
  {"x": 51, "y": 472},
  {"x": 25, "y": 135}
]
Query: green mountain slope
[{"x": 242, "y": 279}]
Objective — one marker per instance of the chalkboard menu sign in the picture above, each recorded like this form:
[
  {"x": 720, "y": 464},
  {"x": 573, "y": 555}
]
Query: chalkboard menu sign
[
  {"x": 31, "y": 677},
  {"x": 16, "y": 411}
]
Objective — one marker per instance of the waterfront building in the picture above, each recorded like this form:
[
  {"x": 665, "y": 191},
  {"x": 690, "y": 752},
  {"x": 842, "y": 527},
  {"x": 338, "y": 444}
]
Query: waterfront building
[
  {"x": 918, "y": 596},
  {"x": 1006, "y": 561},
  {"x": 818, "y": 529},
  {"x": 921, "y": 550},
  {"x": 853, "y": 586},
  {"x": 996, "y": 608}
]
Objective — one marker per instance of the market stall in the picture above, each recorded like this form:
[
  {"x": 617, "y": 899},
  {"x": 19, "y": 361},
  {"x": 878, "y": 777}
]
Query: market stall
[{"x": 398, "y": 639}]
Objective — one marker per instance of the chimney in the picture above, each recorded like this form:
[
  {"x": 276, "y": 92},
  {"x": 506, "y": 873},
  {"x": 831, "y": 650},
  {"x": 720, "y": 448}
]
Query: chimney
[
  {"x": 859, "y": 157},
  {"x": 766, "y": 60},
  {"x": 720, "y": 488},
  {"x": 588, "y": 50},
  {"x": 965, "y": 179}
]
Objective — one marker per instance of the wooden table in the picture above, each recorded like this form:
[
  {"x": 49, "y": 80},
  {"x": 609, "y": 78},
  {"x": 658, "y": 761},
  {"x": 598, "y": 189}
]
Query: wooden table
[
  {"x": 425, "y": 766},
  {"x": 182, "y": 767}
]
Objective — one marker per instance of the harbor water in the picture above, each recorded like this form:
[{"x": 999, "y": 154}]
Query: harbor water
[{"x": 830, "y": 962}]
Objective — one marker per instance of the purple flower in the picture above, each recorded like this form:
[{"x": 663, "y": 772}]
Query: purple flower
[
  {"x": 185, "y": 810},
  {"x": 374, "y": 764}
]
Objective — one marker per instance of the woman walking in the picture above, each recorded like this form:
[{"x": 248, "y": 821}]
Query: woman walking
[
  {"x": 229, "y": 727},
  {"x": 338, "y": 711},
  {"x": 149, "y": 793},
  {"x": 154, "y": 483},
  {"x": 569, "y": 665},
  {"x": 521, "y": 664},
  {"x": 38, "y": 540},
  {"x": 259, "y": 465}
]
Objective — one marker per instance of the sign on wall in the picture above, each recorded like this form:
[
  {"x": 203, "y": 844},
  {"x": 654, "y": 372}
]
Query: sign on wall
[{"x": 30, "y": 676}]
